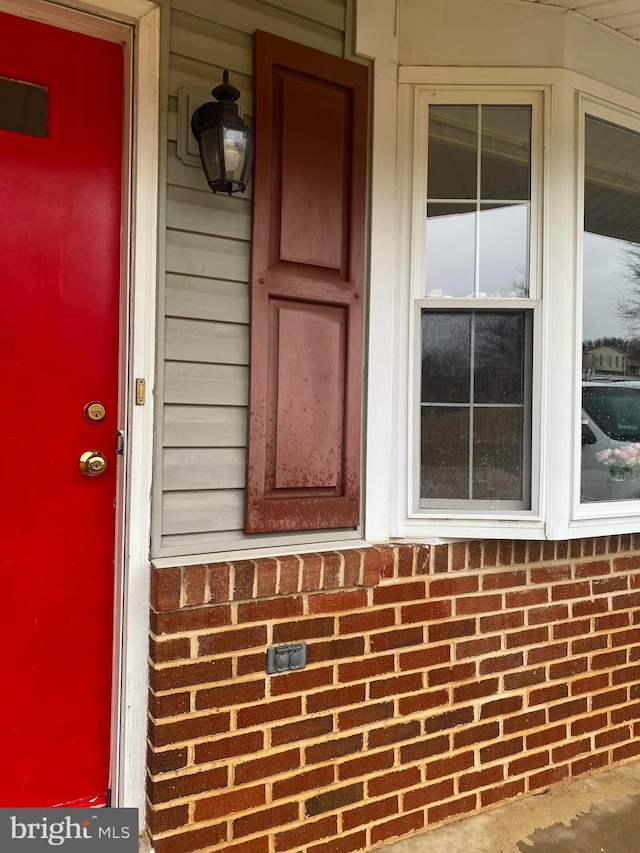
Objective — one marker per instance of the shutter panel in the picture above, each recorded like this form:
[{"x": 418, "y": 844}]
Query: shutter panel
[{"x": 307, "y": 288}]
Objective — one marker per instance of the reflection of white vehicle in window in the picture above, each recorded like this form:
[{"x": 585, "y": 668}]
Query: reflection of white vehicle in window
[{"x": 610, "y": 441}]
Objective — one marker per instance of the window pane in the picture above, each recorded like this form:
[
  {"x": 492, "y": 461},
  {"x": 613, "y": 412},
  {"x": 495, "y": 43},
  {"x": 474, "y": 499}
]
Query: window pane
[
  {"x": 23, "y": 107},
  {"x": 444, "y": 472},
  {"x": 446, "y": 354},
  {"x": 475, "y": 415},
  {"x": 453, "y": 145},
  {"x": 505, "y": 171},
  {"x": 450, "y": 250},
  {"x": 498, "y": 450},
  {"x": 611, "y": 314},
  {"x": 504, "y": 250},
  {"x": 499, "y": 358}
]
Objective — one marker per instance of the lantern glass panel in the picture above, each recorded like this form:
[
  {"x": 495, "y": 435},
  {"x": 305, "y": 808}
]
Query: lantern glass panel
[
  {"x": 210, "y": 153},
  {"x": 235, "y": 151}
]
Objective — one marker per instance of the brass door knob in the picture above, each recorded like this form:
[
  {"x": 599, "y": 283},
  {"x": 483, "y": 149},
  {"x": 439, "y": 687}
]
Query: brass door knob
[{"x": 92, "y": 463}]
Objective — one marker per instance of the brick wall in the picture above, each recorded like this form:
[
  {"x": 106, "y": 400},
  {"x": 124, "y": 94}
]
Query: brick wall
[{"x": 440, "y": 681}]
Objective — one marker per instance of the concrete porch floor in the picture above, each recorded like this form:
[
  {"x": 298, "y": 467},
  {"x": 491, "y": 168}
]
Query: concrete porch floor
[{"x": 593, "y": 814}]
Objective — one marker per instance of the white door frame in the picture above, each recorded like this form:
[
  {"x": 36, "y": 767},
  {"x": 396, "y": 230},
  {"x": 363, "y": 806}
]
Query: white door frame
[{"x": 129, "y": 717}]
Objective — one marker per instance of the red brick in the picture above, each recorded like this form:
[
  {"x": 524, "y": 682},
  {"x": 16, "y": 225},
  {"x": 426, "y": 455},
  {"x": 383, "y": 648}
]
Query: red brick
[
  {"x": 364, "y": 765},
  {"x": 626, "y": 638},
  {"x": 290, "y": 574},
  {"x": 622, "y": 715},
  {"x": 449, "y": 630},
  {"x": 425, "y": 795},
  {"x": 426, "y": 611},
  {"x": 528, "y": 637},
  {"x": 305, "y": 834},
  {"x": 399, "y": 592},
  {"x": 626, "y": 564},
  {"x": 546, "y": 736},
  {"x": 336, "y": 698},
  {"x": 631, "y": 600},
  {"x": 567, "y": 668},
  {"x": 450, "y": 587},
  {"x": 229, "y": 747},
  {"x": 311, "y": 727},
  {"x": 394, "y": 734},
  {"x": 261, "y": 820},
  {"x": 545, "y": 695},
  {"x": 425, "y": 700},
  {"x": 239, "y": 693},
  {"x": 230, "y": 802},
  {"x": 480, "y": 779},
  {"x": 502, "y": 621},
  {"x": 375, "y": 560},
  {"x": 303, "y": 781},
  {"x": 266, "y": 578},
  {"x": 187, "y": 785},
  {"x": 503, "y": 580},
  {"x": 394, "y": 828},
  {"x": 441, "y": 559},
  {"x": 501, "y": 663},
  {"x": 266, "y": 712},
  {"x": 609, "y": 660},
  {"x": 365, "y": 669},
  {"x": 311, "y": 579},
  {"x": 170, "y": 705},
  {"x": 477, "y": 648},
  {"x": 165, "y": 589},
  {"x": 363, "y": 815},
  {"x": 270, "y": 608},
  {"x": 331, "y": 569},
  {"x": 475, "y": 554},
  {"x": 568, "y": 751},
  {"x": 250, "y": 664},
  {"x": 547, "y": 653},
  {"x": 367, "y": 620},
  {"x": 364, "y": 716},
  {"x": 609, "y": 698},
  {"x": 351, "y": 568},
  {"x": 165, "y": 762},
  {"x": 398, "y": 639},
  {"x": 589, "y": 607},
  {"x": 193, "y": 619},
  {"x": 591, "y": 684},
  {"x": 490, "y": 553},
  {"x": 343, "y": 844},
  {"x": 448, "y": 720},
  {"x": 170, "y": 650},
  {"x": 567, "y": 709},
  {"x": 612, "y": 736},
  {"x": 426, "y": 748},
  {"x": 474, "y": 604},
  {"x": 449, "y": 766},
  {"x": 501, "y": 707},
  {"x": 303, "y": 629},
  {"x": 502, "y": 792},
  {"x": 425, "y": 657},
  {"x": 518, "y": 680},
  {"x": 629, "y": 750},
  {"x": 302, "y": 681},
  {"x": 462, "y": 805},
  {"x": 612, "y": 621},
  {"x": 505, "y": 552},
  {"x": 565, "y": 630},
  {"x": 588, "y": 644},
  {"x": 605, "y": 586},
  {"x": 338, "y": 602},
  {"x": 475, "y": 690},
  {"x": 164, "y": 820},
  {"x": 458, "y": 552},
  {"x": 334, "y": 748},
  {"x": 592, "y": 569},
  {"x": 588, "y": 764},
  {"x": 451, "y": 674},
  {"x": 547, "y": 615},
  {"x": 270, "y": 765},
  {"x": 526, "y": 597},
  {"x": 189, "y": 842},
  {"x": 334, "y": 799},
  {"x": 501, "y": 749},
  {"x": 476, "y": 734},
  {"x": 551, "y": 776},
  {"x": 567, "y": 591},
  {"x": 626, "y": 674},
  {"x": 337, "y": 649},
  {"x": 398, "y": 780},
  {"x": 588, "y": 724},
  {"x": 529, "y": 720},
  {"x": 550, "y": 574},
  {"x": 189, "y": 729},
  {"x": 232, "y": 641},
  {"x": 529, "y": 761},
  {"x": 409, "y": 683},
  {"x": 194, "y": 579},
  {"x": 187, "y": 674}
]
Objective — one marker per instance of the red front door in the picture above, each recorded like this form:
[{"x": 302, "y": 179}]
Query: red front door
[{"x": 60, "y": 259}]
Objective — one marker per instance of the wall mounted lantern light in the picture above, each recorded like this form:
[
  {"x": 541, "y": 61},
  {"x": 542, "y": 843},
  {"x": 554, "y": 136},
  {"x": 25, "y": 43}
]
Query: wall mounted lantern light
[{"x": 226, "y": 143}]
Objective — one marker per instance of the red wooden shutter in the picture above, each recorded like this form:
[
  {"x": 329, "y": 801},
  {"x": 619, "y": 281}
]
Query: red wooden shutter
[{"x": 307, "y": 288}]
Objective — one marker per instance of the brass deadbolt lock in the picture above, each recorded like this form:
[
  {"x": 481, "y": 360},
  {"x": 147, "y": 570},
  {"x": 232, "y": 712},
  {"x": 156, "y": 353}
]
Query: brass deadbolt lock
[
  {"x": 92, "y": 463},
  {"x": 94, "y": 412}
]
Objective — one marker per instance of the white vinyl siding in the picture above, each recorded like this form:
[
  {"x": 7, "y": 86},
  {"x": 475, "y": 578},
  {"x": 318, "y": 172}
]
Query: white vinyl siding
[{"x": 204, "y": 334}]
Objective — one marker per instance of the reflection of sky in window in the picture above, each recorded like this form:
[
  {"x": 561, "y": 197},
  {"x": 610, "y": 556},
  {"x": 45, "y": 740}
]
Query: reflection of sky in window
[
  {"x": 605, "y": 283},
  {"x": 503, "y": 252}
]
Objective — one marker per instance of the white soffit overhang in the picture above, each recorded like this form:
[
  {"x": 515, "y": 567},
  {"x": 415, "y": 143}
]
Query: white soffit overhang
[{"x": 620, "y": 15}]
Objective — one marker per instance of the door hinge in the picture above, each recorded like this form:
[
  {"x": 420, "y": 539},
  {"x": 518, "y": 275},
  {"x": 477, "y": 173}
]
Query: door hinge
[{"x": 120, "y": 442}]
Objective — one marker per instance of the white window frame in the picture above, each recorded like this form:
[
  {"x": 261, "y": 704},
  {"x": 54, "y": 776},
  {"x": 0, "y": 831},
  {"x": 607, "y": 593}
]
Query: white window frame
[{"x": 556, "y": 512}]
